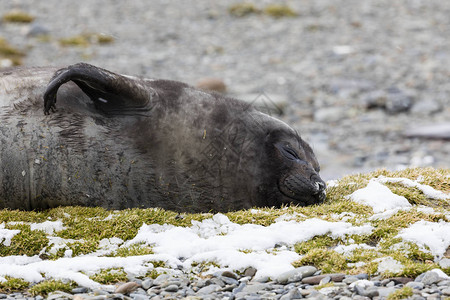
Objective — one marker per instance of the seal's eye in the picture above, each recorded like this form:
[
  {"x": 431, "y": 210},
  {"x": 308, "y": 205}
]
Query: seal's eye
[{"x": 288, "y": 152}]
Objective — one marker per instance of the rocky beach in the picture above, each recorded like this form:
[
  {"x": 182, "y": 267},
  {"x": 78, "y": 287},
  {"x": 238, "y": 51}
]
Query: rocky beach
[{"x": 366, "y": 83}]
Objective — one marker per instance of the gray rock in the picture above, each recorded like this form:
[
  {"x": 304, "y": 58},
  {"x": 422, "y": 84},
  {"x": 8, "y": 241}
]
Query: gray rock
[
  {"x": 171, "y": 288},
  {"x": 292, "y": 294},
  {"x": 318, "y": 278},
  {"x": 430, "y": 277},
  {"x": 446, "y": 291},
  {"x": 147, "y": 283},
  {"x": 139, "y": 296},
  {"x": 426, "y": 107},
  {"x": 127, "y": 288},
  {"x": 415, "y": 285},
  {"x": 435, "y": 131},
  {"x": 397, "y": 101},
  {"x": 79, "y": 290},
  {"x": 228, "y": 280},
  {"x": 331, "y": 114},
  {"x": 444, "y": 263},
  {"x": 58, "y": 295},
  {"x": 36, "y": 29},
  {"x": 254, "y": 287},
  {"x": 383, "y": 292},
  {"x": 250, "y": 272},
  {"x": 209, "y": 289},
  {"x": 296, "y": 274},
  {"x": 161, "y": 279},
  {"x": 232, "y": 275}
]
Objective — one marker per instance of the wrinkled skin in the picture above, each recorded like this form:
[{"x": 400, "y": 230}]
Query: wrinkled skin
[{"x": 85, "y": 136}]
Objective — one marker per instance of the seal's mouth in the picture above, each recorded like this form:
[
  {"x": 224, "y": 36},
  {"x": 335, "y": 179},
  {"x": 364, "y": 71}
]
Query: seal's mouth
[{"x": 303, "y": 191}]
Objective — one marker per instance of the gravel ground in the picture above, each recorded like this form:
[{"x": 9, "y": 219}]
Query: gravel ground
[{"x": 354, "y": 75}]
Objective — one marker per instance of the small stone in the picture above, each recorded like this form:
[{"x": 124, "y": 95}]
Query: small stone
[
  {"x": 161, "y": 279},
  {"x": 58, "y": 295},
  {"x": 171, "y": 288},
  {"x": 139, "y": 297},
  {"x": 212, "y": 84},
  {"x": 147, "y": 283},
  {"x": 385, "y": 281},
  {"x": 401, "y": 280},
  {"x": 254, "y": 287},
  {"x": 239, "y": 288},
  {"x": 296, "y": 274},
  {"x": 426, "y": 107},
  {"x": 263, "y": 279},
  {"x": 415, "y": 285},
  {"x": 444, "y": 283},
  {"x": 430, "y": 277},
  {"x": 231, "y": 275},
  {"x": 36, "y": 29},
  {"x": 331, "y": 114},
  {"x": 3, "y": 296},
  {"x": 397, "y": 101},
  {"x": 384, "y": 292},
  {"x": 350, "y": 279},
  {"x": 292, "y": 294},
  {"x": 126, "y": 288},
  {"x": 250, "y": 272},
  {"x": 362, "y": 276},
  {"x": 208, "y": 289},
  {"x": 79, "y": 290},
  {"x": 314, "y": 280},
  {"x": 435, "y": 131},
  {"x": 446, "y": 291},
  {"x": 229, "y": 280},
  {"x": 444, "y": 263}
]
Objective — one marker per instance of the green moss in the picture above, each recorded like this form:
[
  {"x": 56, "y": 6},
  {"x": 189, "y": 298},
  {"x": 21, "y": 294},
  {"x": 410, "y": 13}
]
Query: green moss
[
  {"x": 322, "y": 241},
  {"x": 158, "y": 264},
  {"x": 402, "y": 293},
  {"x": 9, "y": 52},
  {"x": 153, "y": 274},
  {"x": 325, "y": 285},
  {"x": 13, "y": 284},
  {"x": 17, "y": 16},
  {"x": 83, "y": 247},
  {"x": 78, "y": 41},
  {"x": 243, "y": 9},
  {"x": 45, "y": 287},
  {"x": 26, "y": 242},
  {"x": 279, "y": 11},
  {"x": 328, "y": 261},
  {"x": 133, "y": 250},
  {"x": 86, "y": 39},
  {"x": 109, "y": 276}
]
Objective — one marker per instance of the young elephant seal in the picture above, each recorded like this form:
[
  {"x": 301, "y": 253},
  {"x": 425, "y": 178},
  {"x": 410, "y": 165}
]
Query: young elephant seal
[{"x": 118, "y": 141}]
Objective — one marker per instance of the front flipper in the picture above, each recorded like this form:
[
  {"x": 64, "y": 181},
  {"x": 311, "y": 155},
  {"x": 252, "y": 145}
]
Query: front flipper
[{"x": 110, "y": 92}]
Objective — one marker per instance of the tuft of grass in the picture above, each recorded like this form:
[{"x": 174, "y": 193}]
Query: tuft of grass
[
  {"x": 17, "y": 16},
  {"x": 133, "y": 250},
  {"x": 328, "y": 261},
  {"x": 13, "y": 284},
  {"x": 279, "y": 11},
  {"x": 108, "y": 276},
  {"x": 45, "y": 287},
  {"x": 402, "y": 293},
  {"x": 9, "y": 52},
  {"x": 243, "y": 9},
  {"x": 77, "y": 41},
  {"x": 26, "y": 242},
  {"x": 325, "y": 285},
  {"x": 86, "y": 39},
  {"x": 322, "y": 241},
  {"x": 153, "y": 274}
]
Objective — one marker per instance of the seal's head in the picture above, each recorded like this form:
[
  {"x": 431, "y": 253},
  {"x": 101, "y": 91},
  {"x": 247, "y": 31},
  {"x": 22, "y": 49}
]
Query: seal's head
[{"x": 294, "y": 168}]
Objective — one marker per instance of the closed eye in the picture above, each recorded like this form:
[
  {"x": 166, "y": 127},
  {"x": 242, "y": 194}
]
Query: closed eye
[{"x": 288, "y": 152}]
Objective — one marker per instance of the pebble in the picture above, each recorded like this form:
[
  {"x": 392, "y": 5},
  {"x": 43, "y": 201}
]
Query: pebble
[
  {"x": 296, "y": 274},
  {"x": 126, "y": 288}
]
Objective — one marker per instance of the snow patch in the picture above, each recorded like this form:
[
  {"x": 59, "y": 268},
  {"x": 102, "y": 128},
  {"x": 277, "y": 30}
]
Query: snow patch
[
  {"x": 434, "y": 235},
  {"x": 427, "y": 190},
  {"x": 388, "y": 264},
  {"x": 7, "y": 234},
  {"x": 379, "y": 197}
]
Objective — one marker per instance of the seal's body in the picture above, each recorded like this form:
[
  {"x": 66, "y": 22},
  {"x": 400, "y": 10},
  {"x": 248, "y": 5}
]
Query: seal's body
[{"x": 118, "y": 141}]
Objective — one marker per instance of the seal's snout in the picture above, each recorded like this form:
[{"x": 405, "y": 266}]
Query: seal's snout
[{"x": 319, "y": 187}]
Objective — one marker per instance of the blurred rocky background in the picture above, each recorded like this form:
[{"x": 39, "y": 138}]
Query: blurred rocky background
[{"x": 367, "y": 83}]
